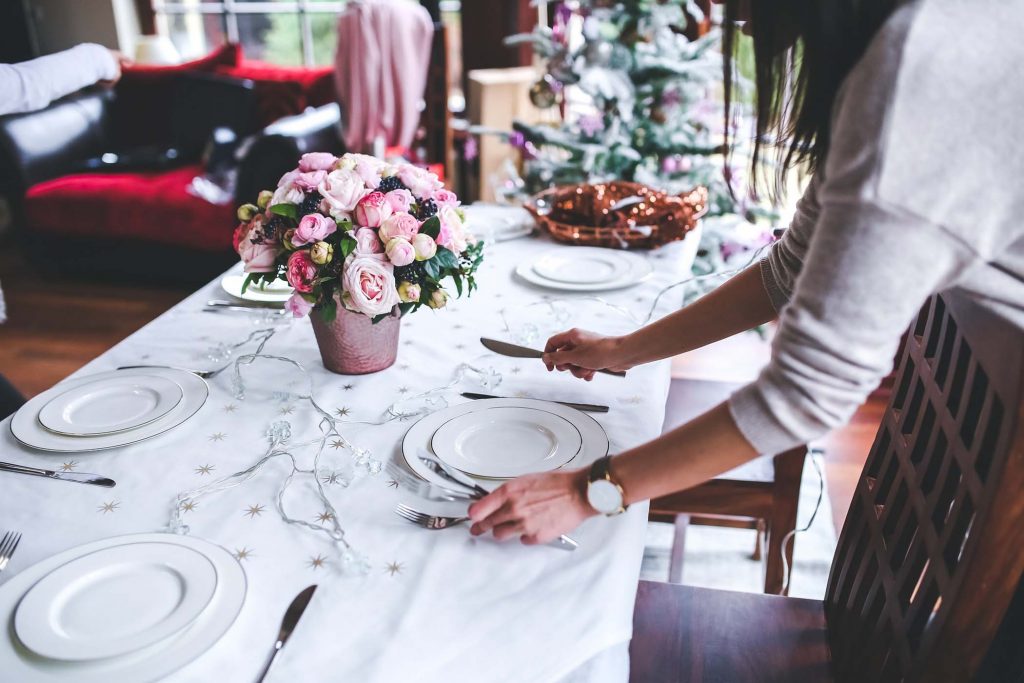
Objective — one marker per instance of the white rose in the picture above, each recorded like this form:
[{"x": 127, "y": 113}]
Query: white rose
[
  {"x": 287, "y": 194},
  {"x": 369, "y": 285},
  {"x": 342, "y": 190}
]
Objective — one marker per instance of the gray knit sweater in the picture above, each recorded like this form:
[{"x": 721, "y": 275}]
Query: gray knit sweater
[{"x": 922, "y": 191}]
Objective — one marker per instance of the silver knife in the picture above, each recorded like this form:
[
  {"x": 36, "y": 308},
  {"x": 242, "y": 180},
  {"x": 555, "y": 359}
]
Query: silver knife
[
  {"x": 516, "y": 351},
  {"x": 76, "y": 477},
  {"x": 588, "y": 407},
  {"x": 291, "y": 618}
]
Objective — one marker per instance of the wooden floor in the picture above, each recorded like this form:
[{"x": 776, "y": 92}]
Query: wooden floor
[{"x": 55, "y": 327}]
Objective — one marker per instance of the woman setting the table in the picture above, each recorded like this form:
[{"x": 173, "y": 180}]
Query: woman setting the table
[{"x": 886, "y": 222}]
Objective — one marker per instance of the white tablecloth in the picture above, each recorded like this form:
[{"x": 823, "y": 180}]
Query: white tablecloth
[{"x": 435, "y": 605}]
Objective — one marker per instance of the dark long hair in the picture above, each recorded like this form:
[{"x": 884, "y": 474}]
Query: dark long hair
[{"x": 803, "y": 50}]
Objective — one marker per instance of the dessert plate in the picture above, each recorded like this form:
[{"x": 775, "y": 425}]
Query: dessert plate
[
  {"x": 115, "y": 601},
  {"x": 506, "y": 442},
  {"x": 111, "y": 405}
]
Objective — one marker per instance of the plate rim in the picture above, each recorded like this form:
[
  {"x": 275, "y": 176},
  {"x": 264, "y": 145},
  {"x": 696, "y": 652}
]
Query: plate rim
[
  {"x": 103, "y": 654},
  {"x": 525, "y": 272},
  {"x": 625, "y": 261},
  {"x": 505, "y": 478},
  {"x": 39, "y": 415}
]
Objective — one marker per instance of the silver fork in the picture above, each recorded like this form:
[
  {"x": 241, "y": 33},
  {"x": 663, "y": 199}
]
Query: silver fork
[
  {"x": 8, "y": 544},
  {"x": 205, "y": 374},
  {"x": 427, "y": 521}
]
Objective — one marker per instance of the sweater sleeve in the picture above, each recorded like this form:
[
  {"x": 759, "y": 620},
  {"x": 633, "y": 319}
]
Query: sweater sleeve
[
  {"x": 782, "y": 265},
  {"x": 32, "y": 85}
]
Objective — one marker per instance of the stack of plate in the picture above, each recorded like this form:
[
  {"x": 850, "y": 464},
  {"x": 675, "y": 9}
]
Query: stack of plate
[
  {"x": 499, "y": 222},
  {"x": 493, "y": 440},
  {"x": 585, "y": 269},
  {"x": 130, "y": 608},
  {"x": 274, "y": 293},
  {"x": 109, "y": 409}
]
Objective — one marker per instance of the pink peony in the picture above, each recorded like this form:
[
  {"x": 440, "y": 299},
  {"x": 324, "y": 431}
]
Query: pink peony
[
  {"x": 313, "y": 228},
  {"x": 367, "y": 242},
  {"x": 420, "y": 181},
  {"x": 446, "y": 198},
  {"x": 298, "y": 306},
  {"x": 308, "y": 182},
  {"x": 367, "y": 167},
  {"x": 342, "y": 190},
  {"x": 372, "y": 210},
  {"x": 258, "y": 258},
  {"x": 453, "y": 233},
  {"x": 400, "y": 252},
  {"x": 317, "y": 161},
  {"x": 399, "y": 225},
  {"x": 301, "y": 272},
  {"x": 369, "y": 285},
  {"x": 400, "y": 200}
]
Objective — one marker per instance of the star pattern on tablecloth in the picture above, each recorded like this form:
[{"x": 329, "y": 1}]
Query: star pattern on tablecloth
[
  {"x": 393, "y": 483},
  {"x": 403, "y": 390},
  {"x": 337, "y": 443},
  {"x": 109, "y": 506},
  {"x": 330, "y": 479},
  {"x": 457, "y": 326},
  {"x": 217, "y": 436},
  {"x": 393, "y": 568},
  {"x": 325, "y": 517},
  {"x": 348, "y": 387},
  {"x": 253, "y": 511},
  {"x": 68, "y": 466},
  {"x": 230, "y": 408},
  {"x": 189, "y": 506},
  {"x": 403, "y": 366},
  {"x": 316, "y": 562},
  {"x": 243, "y": 553},
  {"x": 286, "y": 410},
  {"x": 205, "y": 469},
  {"x": 460, "y": 347},
  {"x": 633, "y": 400},
  {"x": 343, "y": 411},
  {"x": 408, "y": 342},
  {"x": 516, "y": 370}
]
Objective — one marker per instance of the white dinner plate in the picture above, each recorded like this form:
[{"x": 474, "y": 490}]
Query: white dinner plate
[
  {"x": 585, "y": 269},
  {"x": 18, "y": 663},
  {"x": 111, "y": 405},
  {"x": 115, "y": 601},
  {"x": 26, "y": 428},
  {"x": 498, "y": 222},
  {"x": 276, "y": 292},
  {"x": 507, "y": 442},
  {"x": 594, "y": 438}
]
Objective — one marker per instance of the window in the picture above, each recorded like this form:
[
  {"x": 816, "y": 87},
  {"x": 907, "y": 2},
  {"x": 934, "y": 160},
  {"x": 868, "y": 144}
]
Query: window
[{"x": 285, "y": 32}]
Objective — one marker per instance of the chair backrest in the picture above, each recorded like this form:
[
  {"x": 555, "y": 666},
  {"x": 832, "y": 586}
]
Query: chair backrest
[{"x": 931, "y": 551}]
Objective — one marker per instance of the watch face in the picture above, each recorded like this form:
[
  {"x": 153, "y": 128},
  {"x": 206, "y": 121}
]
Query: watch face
[{"x": 604, "y": 496}]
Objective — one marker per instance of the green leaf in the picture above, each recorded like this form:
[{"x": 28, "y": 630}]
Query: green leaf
[
  {"x": 408, "y": 308},
  {"x": 328, "y": 311},
  {"x": 347, "y": 246},
  {"x": 458, "y": 284},
  {"x": 432, "y": 268},
  {"x": 431, "y": 226},
  {"x": 286, "y": 210},
  {"x": 377, "y": 318},
  {"x": 248, "y": 281},
  {"x": 446, "y": 258}
]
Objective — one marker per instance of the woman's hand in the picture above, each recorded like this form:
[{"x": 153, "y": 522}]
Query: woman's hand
[
  {"x": 583, "y": 353},
  {"x": 538, "y": 507}
]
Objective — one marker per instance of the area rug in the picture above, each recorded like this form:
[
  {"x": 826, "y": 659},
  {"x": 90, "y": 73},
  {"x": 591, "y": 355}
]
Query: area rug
[{"x": 719, "y": 557}]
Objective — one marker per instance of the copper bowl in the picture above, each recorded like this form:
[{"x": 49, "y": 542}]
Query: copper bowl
[{"x": 617, "y": 214}]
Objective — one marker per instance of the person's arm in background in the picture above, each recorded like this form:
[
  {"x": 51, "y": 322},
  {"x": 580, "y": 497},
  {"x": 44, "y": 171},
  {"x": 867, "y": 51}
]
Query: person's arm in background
[{"x": 34, "y": 84}]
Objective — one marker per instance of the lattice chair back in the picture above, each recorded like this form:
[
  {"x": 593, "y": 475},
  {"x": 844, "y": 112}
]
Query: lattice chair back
[{"x": 933, "y": 545}]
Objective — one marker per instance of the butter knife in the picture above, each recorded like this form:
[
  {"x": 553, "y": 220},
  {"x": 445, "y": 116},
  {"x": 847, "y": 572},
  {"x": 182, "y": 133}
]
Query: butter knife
[
  {"x": 516, "y": 351},
  {"x": 291, "y": 618},
  {"x": 76, "y": 477},
  {"x": 587, "y": 407}
]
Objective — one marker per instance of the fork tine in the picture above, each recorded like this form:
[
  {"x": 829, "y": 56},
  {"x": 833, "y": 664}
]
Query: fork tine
[
  {"x": 410, "y": 514},
  {"x": 17, "y": 540},
  {"x": 6, "y": 541}
]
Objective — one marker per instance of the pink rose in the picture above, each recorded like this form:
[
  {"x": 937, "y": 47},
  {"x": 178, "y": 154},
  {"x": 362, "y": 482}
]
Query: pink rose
[
  {"x": 369, "y": 285},
  {"x": 400, "y": 200},
  {"x": 400, "y": 252},
  {"x": 301, "y": 272},
  {"x": 399, "y": 225},
  {"x": 367, "y": 167},
  {"x": 241, "y": 233},
  {"x": 313, "y": 228},
  {"x": 258, "y": 258},
  {"x": 420, "y": 181},
  {"x": 425, "y": 246},
  {"x": 372, "y": 210},
  {"x": 444, "y": 197},
  {"x": 307, "y": 182},
  {"x": 453, "y": 233},
  {"x": 298, "y": 306},
  {"x": 342, "y": 190},
  {"x": 367, "y": 242},
  {"x": 317, "y": 161}
]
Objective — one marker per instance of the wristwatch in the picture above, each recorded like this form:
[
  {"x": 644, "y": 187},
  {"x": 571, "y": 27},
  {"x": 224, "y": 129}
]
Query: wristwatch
[{"x": 604, "y": 493}]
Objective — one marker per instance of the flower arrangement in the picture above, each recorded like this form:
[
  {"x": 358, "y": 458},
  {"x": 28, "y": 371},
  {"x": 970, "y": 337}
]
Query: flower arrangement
[{"x": 358, "y": 230}]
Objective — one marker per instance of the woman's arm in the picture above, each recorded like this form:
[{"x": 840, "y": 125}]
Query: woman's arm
[{"x": 32, "y": 85}]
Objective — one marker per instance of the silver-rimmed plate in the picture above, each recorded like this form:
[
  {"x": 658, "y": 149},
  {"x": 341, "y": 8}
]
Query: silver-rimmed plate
[
  {"x": 111, "y": 405},
  {"x": 585, "y": 269}
]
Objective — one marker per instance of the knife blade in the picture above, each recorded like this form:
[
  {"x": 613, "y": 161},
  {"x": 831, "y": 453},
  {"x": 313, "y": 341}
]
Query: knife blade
[
  {"x": 76, "y": 477},
  {"x": 516, "y": 351},
  {"x": 587, "y": 407},
  {"x": 291, "y": 619}
]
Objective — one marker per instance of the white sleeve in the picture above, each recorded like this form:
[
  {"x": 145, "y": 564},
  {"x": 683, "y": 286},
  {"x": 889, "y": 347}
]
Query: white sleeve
[
  {"x": 781, "y": 267},
  {"x": 33, "y": 85}
]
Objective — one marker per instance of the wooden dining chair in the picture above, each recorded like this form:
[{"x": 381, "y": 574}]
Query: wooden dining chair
[
  {"x": 931, "y": 553},
  {"x": 761, "y": 495}
]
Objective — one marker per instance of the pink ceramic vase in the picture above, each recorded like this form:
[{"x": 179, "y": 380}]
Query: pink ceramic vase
[{"x": 353, "y": 345}]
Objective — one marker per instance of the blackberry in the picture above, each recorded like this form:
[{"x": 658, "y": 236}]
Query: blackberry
[
  {"x": 414, "y": 273},
  {"x": 275, "y": 227},
  {"x": 425, "y": 209},
  {"x": 390, "y": 184},
  {"x": 311, "y": 203}
]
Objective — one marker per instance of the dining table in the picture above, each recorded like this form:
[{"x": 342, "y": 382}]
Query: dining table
[{"x": 419, "y": 605}]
